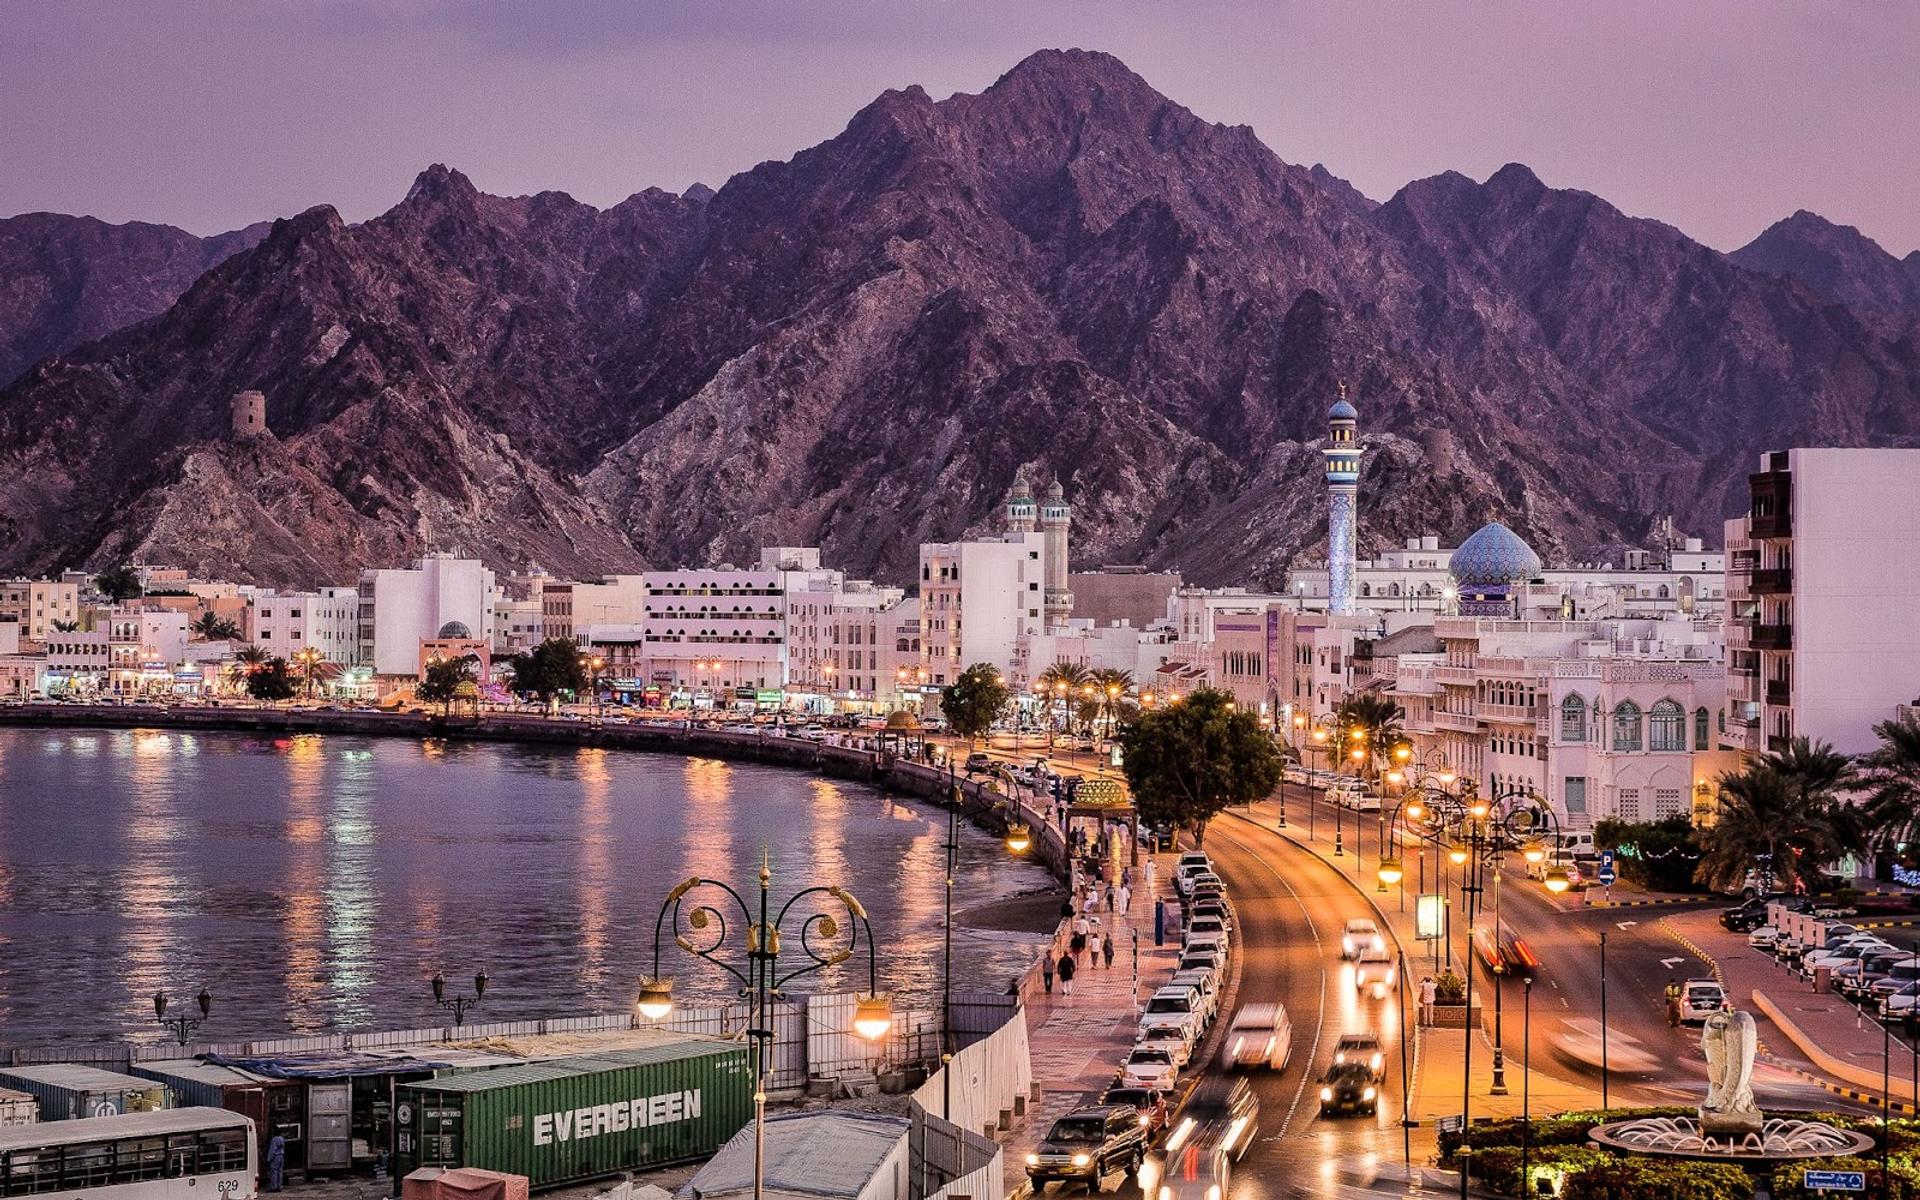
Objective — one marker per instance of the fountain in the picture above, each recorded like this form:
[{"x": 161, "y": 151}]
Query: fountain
[{"x": 1729, "y": 1126}]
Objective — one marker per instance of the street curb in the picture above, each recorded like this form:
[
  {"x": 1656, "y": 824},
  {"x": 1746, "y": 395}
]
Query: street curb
[
  {"x": 1826, "y": 1062},
  {"x": 1605, "y": 906}
]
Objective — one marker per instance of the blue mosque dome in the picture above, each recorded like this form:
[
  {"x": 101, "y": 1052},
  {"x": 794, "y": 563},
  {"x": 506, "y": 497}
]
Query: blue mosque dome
[
  {"x": 1342, "y": 411},
  {"x": 1493, "y": 555}
]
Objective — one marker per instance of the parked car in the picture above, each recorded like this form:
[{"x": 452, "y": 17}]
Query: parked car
[
  {"x": 1205, "y": 981},
  {"x": 1853, "y": 979},
  {"x": 1901, "y": 1001},
  {"x": 1898, "y": 976},
  {"x": 1190, "y": 864},
  {"x": 1360, "y": 934},
  {"x": 978, "y": 761},
  {"x": 1212, "y": 908},
  {"x": 1214, "y": 940},
  {"x": 1173, "y": 1008},
  {"x": 1201, "y": 926},
  {"x": 1763, "y": 937},
  {"x": 1348, "y": 1088},
  {"x": 1203, "y": 956},
  {"x": 1150, "y": 1104},
  {"x": 1178, "y": 1044},
  {"x": 1362, "y": 1049},
  {"x": 1149, "y": 1067},
  {"x": 1087, "y": 1145},
  {"x": 1260, "y": 1035}
]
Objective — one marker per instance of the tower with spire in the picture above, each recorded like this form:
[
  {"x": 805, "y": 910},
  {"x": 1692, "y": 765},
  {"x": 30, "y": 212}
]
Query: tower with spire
[
  {"x": 1055, "y": 517},
  {"x": 1022, "y": 516},
  {"x": 1343, "y": 488}
]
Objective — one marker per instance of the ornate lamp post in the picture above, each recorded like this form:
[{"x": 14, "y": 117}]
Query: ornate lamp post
[
  {"x": 459, "y": 1004},
  {"x": 184, "y": 1024},
  {"x": 763, "y": 980}
]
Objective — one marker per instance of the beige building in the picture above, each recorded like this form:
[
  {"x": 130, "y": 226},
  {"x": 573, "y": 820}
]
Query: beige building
[{"x": 37, "y": 603}]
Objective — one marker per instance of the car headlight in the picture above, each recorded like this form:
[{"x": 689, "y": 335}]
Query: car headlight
[
  {"x": 1367, "y": 1095},
  {"x": 1146, "y": 1119},
  {"x": 1326, "y": 1093},
  {"x": 1378, "y": 1062},
  {"x": 1033, "y": 1160},
  {"x": 1081, "y": 1160}
]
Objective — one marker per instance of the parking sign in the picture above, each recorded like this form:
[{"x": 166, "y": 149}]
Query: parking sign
[{"x": 1606, "y": 868}]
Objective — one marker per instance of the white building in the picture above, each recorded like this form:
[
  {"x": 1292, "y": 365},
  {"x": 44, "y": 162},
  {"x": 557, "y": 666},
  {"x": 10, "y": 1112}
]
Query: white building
[
  {"x": 1114, "y": 647},
  {"x": 1823, "y": 580},
  {"x": 402, "y": 607},
  {"x": 978, "y": 599},
  {"x": 568, "y": 609},
  {"x": 718, "y": 635},
  {"x": 328, "y": 620},
  {"x": 840, "y": 636}
]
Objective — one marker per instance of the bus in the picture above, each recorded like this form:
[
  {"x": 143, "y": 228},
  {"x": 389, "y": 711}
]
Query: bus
[{"x": 172, "y": 1154}]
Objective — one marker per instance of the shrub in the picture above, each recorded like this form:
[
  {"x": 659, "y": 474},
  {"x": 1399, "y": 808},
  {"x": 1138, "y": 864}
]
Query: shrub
[
  {"x": 1450, "y": 988},
  {"x": 1658, "y": 1179},
  {"x": 1498, "y": 1168}
]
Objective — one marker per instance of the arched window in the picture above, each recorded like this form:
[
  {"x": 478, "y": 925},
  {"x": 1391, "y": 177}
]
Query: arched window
[
  {"x": 1662, "y": 591},
  {"x": 1667, "y": 727},
  {"x": 1626, "y": 726},
  {"x": 1700, "y": 729},
  {"x": 1394, "y": 589},
  {"x": 1573, "y": 719},
  {"x": 1366, "y": 589}
]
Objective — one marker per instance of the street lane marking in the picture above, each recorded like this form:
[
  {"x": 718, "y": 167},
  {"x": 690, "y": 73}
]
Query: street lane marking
[
  {"x": 1626, "y": 924},
  {"x": 1671, "y": 963}
]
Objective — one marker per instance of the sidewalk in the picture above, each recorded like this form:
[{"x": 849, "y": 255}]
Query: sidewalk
[{"x": 1077, "y": 1042}]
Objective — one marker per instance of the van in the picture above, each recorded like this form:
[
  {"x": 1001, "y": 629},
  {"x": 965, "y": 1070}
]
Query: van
[
  {"x": 1260, "y": 1035},
  {"x": 1578, "y": 843}
]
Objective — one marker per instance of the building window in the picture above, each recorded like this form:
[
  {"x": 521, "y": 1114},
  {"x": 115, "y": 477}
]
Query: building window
[
  {"x": 1666, "y": 803},
  {"x": 1576, "y": 794},
  {"x": 1667, "y": 727},
  {"x": 1700, "y": 728},
  {"x": 1573, "y": 719},
  {"x": 1626, "y": 726},
  {"x": 1627, "y": 807}
]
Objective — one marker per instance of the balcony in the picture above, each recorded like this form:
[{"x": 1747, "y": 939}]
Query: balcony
[
  {"x": 1771, "y": 637},
  {"x": 1446, "y": 673},
  {"x": 1457, "y": 722},
  {"x": 1771, "y": 515},
  {"x": 1779, "y": 743},
  {"x": 1779, "y": 693},
  {"x": 1774, "y": 581}
]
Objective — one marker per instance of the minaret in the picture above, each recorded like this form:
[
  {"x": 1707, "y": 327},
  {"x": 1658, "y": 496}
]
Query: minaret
[
  {"x": 1054, "y": 519},
  {"x": 1022, "y": 517},
  {"x": 1343, "y": 487}
]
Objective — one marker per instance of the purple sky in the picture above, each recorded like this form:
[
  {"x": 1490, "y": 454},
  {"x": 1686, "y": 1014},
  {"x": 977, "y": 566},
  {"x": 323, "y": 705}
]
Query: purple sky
[{"x": 1716, "y": 117}]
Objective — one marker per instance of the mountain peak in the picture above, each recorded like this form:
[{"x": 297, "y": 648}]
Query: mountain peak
[
  {"x": 1837, "y": 260},
  {"x": 439, "y": 184},
  {"x": 1516, "y": 177},
  {"x": 1074, "y": 70}
]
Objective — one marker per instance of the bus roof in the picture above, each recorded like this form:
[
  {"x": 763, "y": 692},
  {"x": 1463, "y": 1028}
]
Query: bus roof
[{"x": 92, "y": 1129}]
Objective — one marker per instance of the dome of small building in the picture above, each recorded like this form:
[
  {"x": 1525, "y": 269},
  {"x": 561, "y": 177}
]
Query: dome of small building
[
  {"x": 454, "y": 629},
  {"x": 902, "y": 721},
  {"x": 1343, "y": 411},
  {"x": 1493, "y": 555}
]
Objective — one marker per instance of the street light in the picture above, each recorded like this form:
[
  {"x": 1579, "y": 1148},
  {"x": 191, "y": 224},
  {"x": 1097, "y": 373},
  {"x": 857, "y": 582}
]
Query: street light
[
  {"x": 763, "y": 980},
  {"x": 1019, "y": 837},
  {"x": 185, "y": 1024},
  {"x": 459, "y": 1004}
]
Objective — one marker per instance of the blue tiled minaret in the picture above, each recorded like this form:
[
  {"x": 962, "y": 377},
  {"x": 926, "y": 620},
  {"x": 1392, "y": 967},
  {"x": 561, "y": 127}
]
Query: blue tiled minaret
[{"x": 1343, "y": 487}]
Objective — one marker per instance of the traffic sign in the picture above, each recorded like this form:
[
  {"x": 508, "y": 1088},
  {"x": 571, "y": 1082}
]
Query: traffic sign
[
  {"x": 1834, "y": 1181},
  {"x": 1456, "y": 1124},
  {"x": 1606, "y": 868}
]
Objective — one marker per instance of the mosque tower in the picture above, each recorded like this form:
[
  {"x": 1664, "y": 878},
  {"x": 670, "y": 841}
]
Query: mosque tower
[
  {"x": 1343, "y": 488},
  {"x": 1055, "y": 516},
  {"x": 1022, "y": 516}
]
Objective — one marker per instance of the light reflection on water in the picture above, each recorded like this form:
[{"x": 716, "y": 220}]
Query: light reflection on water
[{"x": 317, "y": 883}]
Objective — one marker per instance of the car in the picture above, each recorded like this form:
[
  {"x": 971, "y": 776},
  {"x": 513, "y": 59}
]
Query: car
[
  {"x": 1349, "y": 1088},
  {"x": 1089, "y": 1144},
  {"x": 1150, "y": 1104},
  {"x": 1213, "y": 908},
  {"x": 1260, "y": 1035},
  {"x": 1205, "y": 956},
  {"x": 1853, "y": 980},
  {"x": 1700, "y": 999},
  {"x": 1221, "y": 1113},
  {"x": 1901, "y": 1001},
  {"x": 1763, "y": 937},
  {"x": 1203, "y": 926},
  {"x": 1375, "y": 973},
  {"x": 1206, "y": 981},
  {"x": 1852, "y": 951},
  {"x": 1213, "y": 940},
  {"x": 1362, "y": 1049},
  {"x": 1171, "y": 1038},
  {"x": 1898, "y": 976},
  {"x": 978, "y": 761},
  {"x": 1190, "y": 866},
  {"x": 1174, "y": 1007},
  {"x": 1149, "y": 1067},
  {"x": 1360, "y": 934}
]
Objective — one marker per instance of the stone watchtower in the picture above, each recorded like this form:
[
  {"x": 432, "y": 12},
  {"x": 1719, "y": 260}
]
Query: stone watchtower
[{"x": 249, "y": 415}]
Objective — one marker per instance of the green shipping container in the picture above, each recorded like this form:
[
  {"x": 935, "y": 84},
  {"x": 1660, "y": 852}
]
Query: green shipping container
[{"x": 572, "y": 1119}]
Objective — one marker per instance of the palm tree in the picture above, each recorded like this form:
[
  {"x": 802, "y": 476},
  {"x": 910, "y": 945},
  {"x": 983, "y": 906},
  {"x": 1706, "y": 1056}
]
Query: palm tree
[
  {"x": 1064, "y": 681},
  {"x": 1114, "y": 693},
  {"x": 1889, "y": 776},
  {"x": 1379, "y": 717},
  {"x": 212, "y": 627},
  {"x": 1816, "y": 774},
  {"x": 246, "y": 660},
  {"x": 1766, "y": 822},
  {"x": 67, "y": 626}
]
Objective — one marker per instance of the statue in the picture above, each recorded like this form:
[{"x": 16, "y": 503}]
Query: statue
[{"x": 1729, "y": 1113}]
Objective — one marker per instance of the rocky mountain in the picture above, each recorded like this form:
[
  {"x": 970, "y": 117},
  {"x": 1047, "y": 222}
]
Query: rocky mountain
[
  {"x": 72, "y": 279},
  {"x": 1836, "y": 260},
  {"x": 861, "y": 345}
]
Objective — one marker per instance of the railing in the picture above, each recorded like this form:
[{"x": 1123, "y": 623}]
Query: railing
[
  {"x": 1448, "y": 673},
  {"x": 1458, "y": 722},
  {"x": 1774, "y": 581},
  {"x": 1771, "y": 637},
  {"x": 1779, "y": 693}
]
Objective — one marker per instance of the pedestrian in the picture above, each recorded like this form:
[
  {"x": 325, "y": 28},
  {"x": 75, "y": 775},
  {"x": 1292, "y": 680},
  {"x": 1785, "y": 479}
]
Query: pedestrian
[
  {"x": 1067, "y": 968},
  {"x": 1093, "y": 946},
  {"x": 1113, "y": 897},
  {"x": 1126, "y": 877},
  {"x": 1126, "y": 898},
  {"x": 1106, "y": 952},
  {"x": 1428, "y": 991},
  {"x": 1673, "y": 1002},
  {"x": 1159, "y": 924},
  {"x": 276, "y": 1162},
  {"x": 1046, "y": 969},
  {"x": 1080, "y": 929}
]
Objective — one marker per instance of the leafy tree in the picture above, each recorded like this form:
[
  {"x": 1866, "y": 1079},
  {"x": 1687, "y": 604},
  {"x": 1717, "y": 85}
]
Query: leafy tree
[
  {"x": 67, "y": 626},
  {"x": 973, "y": 702},
  {"x": 271, "y": 681},
  {"x": 1656, "y": 854},
  {"x": 212, "y": 627},
  {"x": 1890, "y": 776},
  {"x": 1188, "y": 761},
  {"x": 548, "y": 670},
  {"x": 118, "y": 583},
  {"x": 443, "y": 679},
  {"x": 1766, "y": 821}
]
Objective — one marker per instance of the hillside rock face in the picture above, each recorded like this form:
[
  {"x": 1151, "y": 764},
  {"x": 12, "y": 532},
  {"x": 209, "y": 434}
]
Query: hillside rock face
[
  {"x": 860, "y": 346},
  {"x": 1837, "y": 261},
  {"x": 68, "y": 280}
]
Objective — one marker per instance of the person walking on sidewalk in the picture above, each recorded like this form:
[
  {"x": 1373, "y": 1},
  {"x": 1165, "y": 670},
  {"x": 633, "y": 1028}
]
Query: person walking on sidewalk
[
  {"x": 1093, "y": 946},
  {"x": 1106, "y": 952},
  {"x": 1080, "y": 928},
  {"x": 1113, "y": 897},
  {"x": 1046, "y": 969},
  {"x": 1126, "y": 898},
  {"x": 1067, "y": 968}
]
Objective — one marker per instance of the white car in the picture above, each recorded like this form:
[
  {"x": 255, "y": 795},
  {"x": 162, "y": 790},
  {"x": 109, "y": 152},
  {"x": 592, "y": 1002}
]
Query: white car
[
  {"x": 1207, "y": 926},
  {"x": 1260, "y": 1036},
  {"x": 1375, "y": 973},
  {"x": 1700, "y": 999},
  {"x": 1763, "y": 937},
  {"x": 1852, "y": 952},
  {"x": 1174, "y": 1008},
  {"x": 1206, "y": 982},
  {"x": 1177, "y": 1045},
  {"x": 1360, "y": 934},
  {"x": 1149, "y": 1067}
]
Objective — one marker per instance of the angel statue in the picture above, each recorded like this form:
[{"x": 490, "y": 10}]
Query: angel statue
[{"x": 1729, "y": 1112}]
